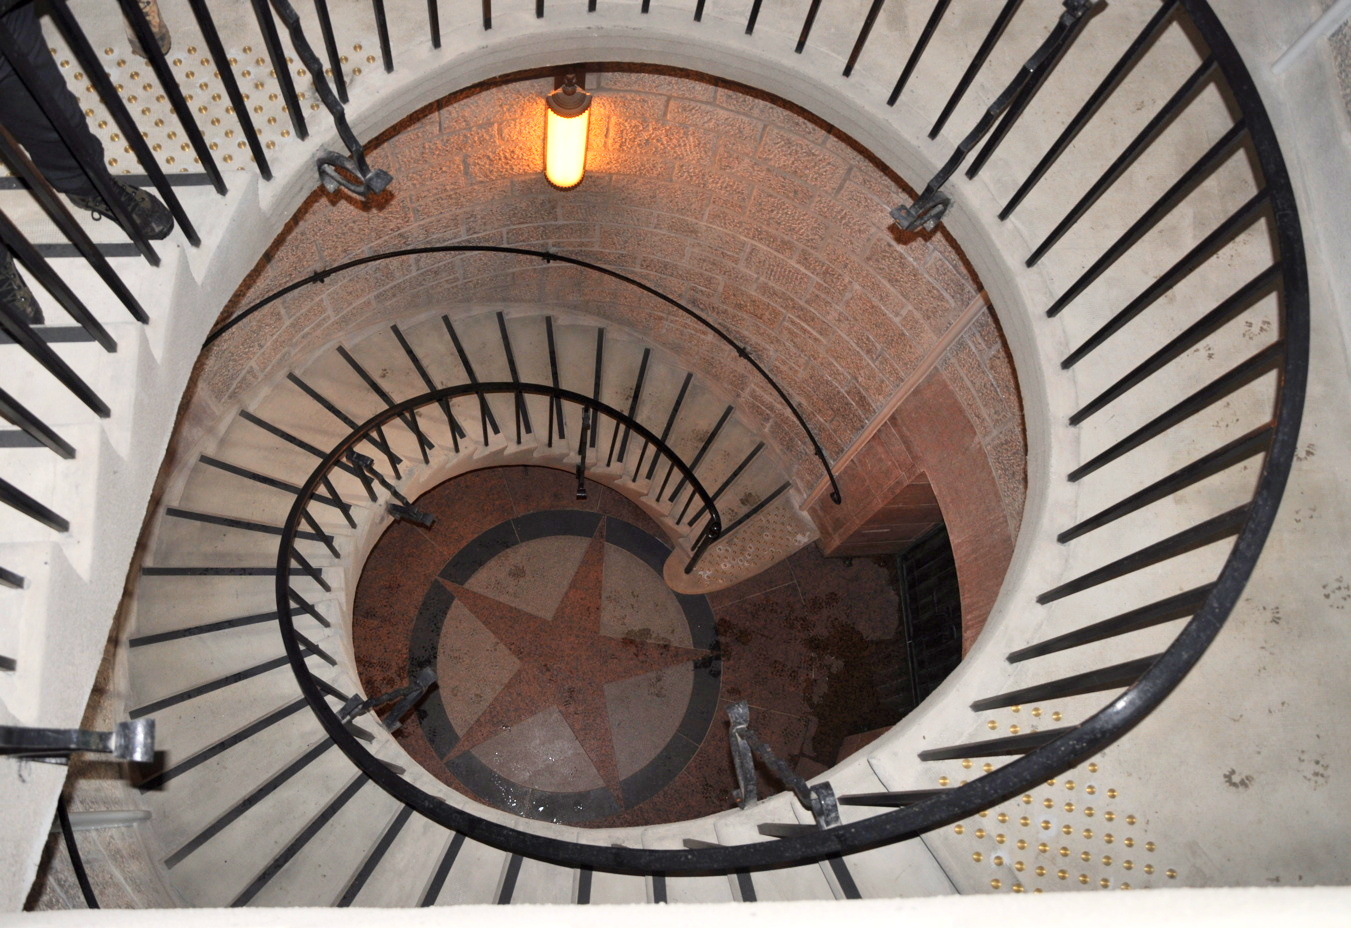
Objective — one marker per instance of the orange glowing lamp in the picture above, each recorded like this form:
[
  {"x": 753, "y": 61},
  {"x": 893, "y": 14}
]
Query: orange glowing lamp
[{"x": 565, "y": 131}]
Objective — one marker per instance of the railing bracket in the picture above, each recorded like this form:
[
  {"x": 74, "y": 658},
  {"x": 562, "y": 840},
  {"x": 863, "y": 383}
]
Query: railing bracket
[
  {"x": 133, "y": 741},
  {"x": 820, "y": 799},
  {"x": 925, "y": 213}
]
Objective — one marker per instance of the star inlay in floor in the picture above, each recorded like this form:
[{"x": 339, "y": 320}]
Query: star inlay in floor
[
  {"x": 564, "y": 664},
  {"x": 573, "y": 684}
]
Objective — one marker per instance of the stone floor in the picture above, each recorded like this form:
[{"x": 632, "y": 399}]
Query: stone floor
[{"x": 574, "y": 686}]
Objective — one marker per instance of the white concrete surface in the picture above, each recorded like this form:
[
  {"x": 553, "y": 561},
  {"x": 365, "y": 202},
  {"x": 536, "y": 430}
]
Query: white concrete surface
[{"x": 1249, "y": 747}]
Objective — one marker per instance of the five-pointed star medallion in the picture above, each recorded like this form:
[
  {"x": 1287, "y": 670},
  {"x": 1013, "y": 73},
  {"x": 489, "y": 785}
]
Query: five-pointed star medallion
[{"x": 565, "y": 662}]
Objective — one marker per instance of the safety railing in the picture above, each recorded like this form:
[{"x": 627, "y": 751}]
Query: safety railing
[{"x": 1143, "y": 683}]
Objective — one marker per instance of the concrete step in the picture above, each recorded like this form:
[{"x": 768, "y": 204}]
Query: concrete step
[{"x": 222, "y": 868}]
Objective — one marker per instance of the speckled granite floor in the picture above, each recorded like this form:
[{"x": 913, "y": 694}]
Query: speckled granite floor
[{"x": 573, "y": 685}]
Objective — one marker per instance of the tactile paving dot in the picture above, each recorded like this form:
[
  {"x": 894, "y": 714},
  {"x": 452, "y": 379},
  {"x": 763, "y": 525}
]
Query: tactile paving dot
[{"x": 1076, "y": 831}]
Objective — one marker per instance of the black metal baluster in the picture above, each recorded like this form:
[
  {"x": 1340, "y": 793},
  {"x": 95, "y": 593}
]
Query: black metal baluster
[
  {"x": 1156, "y": 613},
  {"x": 557, "y": 402},
  {"x": 343, "y": 506},
  {"x": 52, "y": 204},
  {"x": 314, "y": 573},
  {"x": 281, "y": 68},
  {"x": 243, "y": 525},
  {"x": 1224, "y": 525},
  {"x": 666, "y": 431},
  {"x": 382, "y": 31},
  {"x": 409, "y": 419},
  {"x": 131, "y": 10},
  {"x": 982, "y": 54},
  {"x": 807, "y": 26},
  {"x": 750, "y": 20},
  {"x": 487, "y": 14},
  {"x": 1115, "y": 677},
  {"x": 456, "y": 431},
  {"x": 434, "y": 22},
  {"x": 703, "y": 450},
  {"x": 633, "y": 410},
  {"x": 23, "y": 335},
  {"x": 318, "y": 530},
  {"x": 1227, "y": 310},
  {"x": 1231, "y": 380},
  {"x": 581, "y": 452},
  {"x": 389, "y": 454},
  {"x": 193, "y": 631},
  {"x": 522, "y": 413},
  {"x": 294, "y": 441},
  {"x": 1197, "y": 174},
  {"x": 1199, "y": 254},
  {"x": 731, "y": 478},
  {"x": 1026, "y": 96},
  {"x": 221, "y": 58},
  {"x": 16, "y": 413},
  {"x": 1258, "y": 441},
  {"x": 272, "y": 784},
  {"x": 707, "y": 535},
  {"x": 997, "y": 747},
  {"x": 486, "y": 418},
  {"x": 53, "y": 282},
  {"x": 331, "y": 47},
  {"x": 298, "y": 843},
  {"x": 375, "y": 441},
  {"x": 12, "y": 496},
  {"x": 276, "y": 484},
  {"x": 869, "y": 21},
  {"x": 1100, "y": 94},
  {"x": 699, "y": 11},
  {"x": 595, "y": 391},
  {"x": 1152, "y": 130},
  {"x": 917, "y": 53},
  {"x": 377, "y": 854},
  {"x": 97, "y": 173}
]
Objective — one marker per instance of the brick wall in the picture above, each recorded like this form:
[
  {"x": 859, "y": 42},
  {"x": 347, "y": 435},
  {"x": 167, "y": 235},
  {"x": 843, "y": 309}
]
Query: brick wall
[{"x": 751, "y": 211}]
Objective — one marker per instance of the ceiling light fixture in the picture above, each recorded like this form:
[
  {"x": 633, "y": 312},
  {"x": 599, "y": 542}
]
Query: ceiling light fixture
[{"x": 565, "y": 131}]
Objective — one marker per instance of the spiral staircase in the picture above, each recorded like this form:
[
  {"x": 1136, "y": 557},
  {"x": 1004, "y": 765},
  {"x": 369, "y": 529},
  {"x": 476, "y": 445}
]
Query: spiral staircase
[{"x": 1130, "y": 214}]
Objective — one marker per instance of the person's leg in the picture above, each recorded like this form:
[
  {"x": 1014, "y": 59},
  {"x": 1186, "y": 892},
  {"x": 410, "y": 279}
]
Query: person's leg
[
  {"x": 66, "y": 167},
  {"x": 14, "y": 293},
  {"x": 30, "y": 121}
]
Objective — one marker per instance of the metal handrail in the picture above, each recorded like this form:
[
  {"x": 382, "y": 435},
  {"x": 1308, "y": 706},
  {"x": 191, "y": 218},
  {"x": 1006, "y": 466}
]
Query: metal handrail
[
  {"x": 1046, "y": 761},
  {"x": 548, "y": 256}
]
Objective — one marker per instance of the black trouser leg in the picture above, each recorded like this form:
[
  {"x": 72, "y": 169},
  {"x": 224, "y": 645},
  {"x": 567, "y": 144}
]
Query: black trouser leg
[{"x": 30, "y": 121}]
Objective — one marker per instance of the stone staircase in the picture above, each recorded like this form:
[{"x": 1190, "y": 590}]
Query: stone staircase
[{"x": 1094, "y": 608}]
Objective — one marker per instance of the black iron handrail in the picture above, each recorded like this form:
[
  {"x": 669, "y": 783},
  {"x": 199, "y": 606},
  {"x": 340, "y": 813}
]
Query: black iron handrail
[
  {"x": 1054, "y": 751},
  {"x": 1049, "y": 753},
  {"x": 548, "y": 256}
]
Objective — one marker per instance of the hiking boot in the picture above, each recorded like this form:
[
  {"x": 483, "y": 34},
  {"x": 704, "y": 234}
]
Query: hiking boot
[
  {"x": 14, "y": 293},
  {"x": 150, "y": 215}
]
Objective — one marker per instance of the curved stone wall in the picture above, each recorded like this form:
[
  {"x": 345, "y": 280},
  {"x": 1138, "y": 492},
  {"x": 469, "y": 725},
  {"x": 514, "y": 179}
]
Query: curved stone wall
[{"x": 761, "y": 217}]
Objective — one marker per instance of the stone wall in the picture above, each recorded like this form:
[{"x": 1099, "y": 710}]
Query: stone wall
[{"x": 754, "y": 213}]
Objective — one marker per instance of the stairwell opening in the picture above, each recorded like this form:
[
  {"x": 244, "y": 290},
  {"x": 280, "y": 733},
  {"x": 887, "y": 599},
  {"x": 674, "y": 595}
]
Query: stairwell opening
[{"x": 771, "y": 224}]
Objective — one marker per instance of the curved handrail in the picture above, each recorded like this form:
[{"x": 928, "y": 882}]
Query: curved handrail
[
  {"x": 548, "y": 256},
  {"x": 1085, "y": 739},
  {"x": 1080, "y": 742}
]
